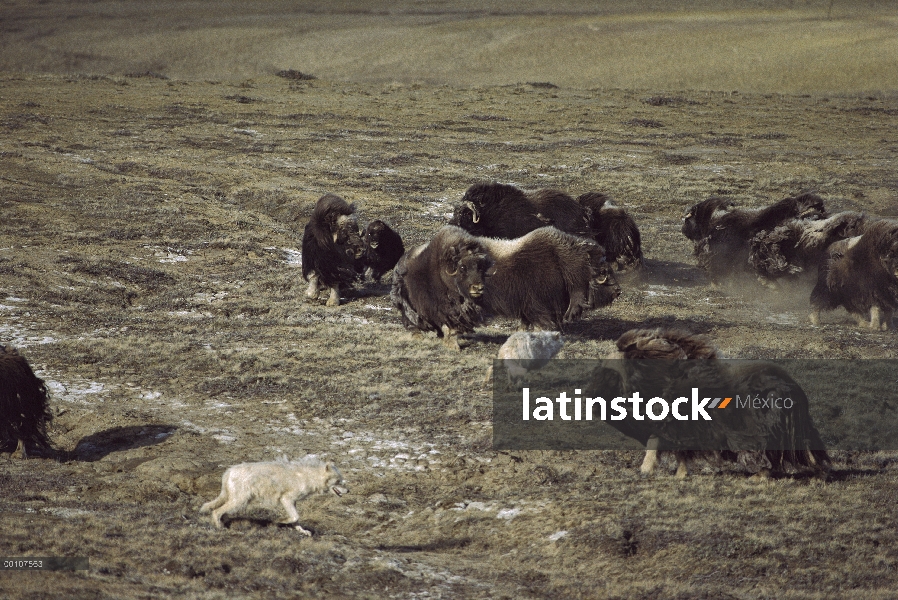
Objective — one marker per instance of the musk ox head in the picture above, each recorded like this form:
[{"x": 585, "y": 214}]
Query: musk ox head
[
  {"x": 335, "y": 217},
  {"x": 809, "y": 206},
  {"x": 604, "y": 288},
  {"x": 886, "y": 245},
  {"x": 697, "y": 219},
  {"x": 464, "y": 266},
  {"x": 467, "y": 215}
]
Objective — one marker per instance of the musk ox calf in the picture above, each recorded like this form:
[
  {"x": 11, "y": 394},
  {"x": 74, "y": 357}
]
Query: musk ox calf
[
  {"x": 383, "y": 249},
  {"x": 24, "y": 413},
  {"x": 614, "y": 230},
  {"x": 861, "y": 274},
  {"x": 331, "y": 248},
  {"x": 438, "y": 286},
  {"x": 800, "y": 245},
  {"x": 504, "y": 211},
  {"x": 272, "y": 484},
  {"x": 763, "y": 440},
  {"x": 722, "y": 237},
  {"x": 546, "y": 278},
  {"x": 528, "y": 351}
]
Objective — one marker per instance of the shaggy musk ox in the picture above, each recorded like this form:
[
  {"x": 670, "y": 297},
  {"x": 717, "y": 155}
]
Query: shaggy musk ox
[
  {"x": 722, "y": 238},
  {"x": 439, "y": 286},
  {"x": 383, "y": 249},
  {"x": 24, "y": 413},
  {"x": 762, "y": 440},
  {"x": 547, "y": 278},
  {"x": 801, "y": 245},
  {"x": 861, "y": 274},
  {"x": 504, "y": 211},
  {"x": 331, "y": 247},
  {"x": 614, "y": 230}
]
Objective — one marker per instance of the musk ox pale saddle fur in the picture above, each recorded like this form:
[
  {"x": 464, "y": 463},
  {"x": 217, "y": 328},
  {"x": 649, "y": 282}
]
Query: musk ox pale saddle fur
[{"x": 274, "y": 483}]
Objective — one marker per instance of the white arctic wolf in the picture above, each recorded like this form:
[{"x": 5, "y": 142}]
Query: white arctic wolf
[{"x": 271, "y": 483}]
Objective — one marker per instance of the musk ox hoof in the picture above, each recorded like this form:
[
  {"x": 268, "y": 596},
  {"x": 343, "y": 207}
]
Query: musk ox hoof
[
  {"x": 19, "y": 452},
  {"x": 814, "y": 318},
  {"x": 303, "y": 531},
  {"x": 334, "y": 298}
]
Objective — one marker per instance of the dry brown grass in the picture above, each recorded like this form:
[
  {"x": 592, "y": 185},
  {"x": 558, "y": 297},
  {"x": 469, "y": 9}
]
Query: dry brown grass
[{"x": 148, "y": 230}]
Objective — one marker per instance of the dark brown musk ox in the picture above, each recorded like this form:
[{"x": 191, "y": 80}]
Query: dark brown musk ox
[
  {"x": 547, "y": 278},
  {"x": 456, "y": 281},
  {"x": 439, "y": 286},
  {"x": 666, "y": 362},
  {"x": 24, "y": 412},
  {"x": 861, "y": 275},
  {"x": 800, "y": 246},
  {"x": 331, "y": 248},
  {"x": 383, "y": 249},
  {"x": 721, "y": 236},
  {"x": 615, "y": 230},
  {"x": 498, "y": 210}
]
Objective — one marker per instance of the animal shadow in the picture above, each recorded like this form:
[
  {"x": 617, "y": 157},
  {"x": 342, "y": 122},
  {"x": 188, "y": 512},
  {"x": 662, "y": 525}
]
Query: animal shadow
[{"x": 102, "y": 443}]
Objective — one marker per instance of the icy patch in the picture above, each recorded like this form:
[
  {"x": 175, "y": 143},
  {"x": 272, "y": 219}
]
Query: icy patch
[
  {"x": 658, "y": 290},
  {"x": 294, "y": 257},
  {"x": 168, "y": 255},
  {"x": 783, "y": 319},
  {"x": 372, "y": 307},
  {"x": 249, "y": 132},
  {"x": 508, "y": 513},
  {"x": 77, "y": 392},
  {"x": 67, "y": 513},
  {"x": 557, "y": 536},
  {"x": 16, "y": 337}
]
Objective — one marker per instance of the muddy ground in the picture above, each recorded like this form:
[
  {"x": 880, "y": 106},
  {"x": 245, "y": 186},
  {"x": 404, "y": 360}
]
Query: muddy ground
[{"x": 150, "y": 272}]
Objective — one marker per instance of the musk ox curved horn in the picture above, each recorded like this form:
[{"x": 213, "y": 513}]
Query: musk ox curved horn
[{"x": 475, "y": 216}]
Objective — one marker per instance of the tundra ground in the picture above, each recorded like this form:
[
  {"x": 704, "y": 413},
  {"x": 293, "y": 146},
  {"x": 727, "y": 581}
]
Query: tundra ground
[{"x": 149, "y": 270}]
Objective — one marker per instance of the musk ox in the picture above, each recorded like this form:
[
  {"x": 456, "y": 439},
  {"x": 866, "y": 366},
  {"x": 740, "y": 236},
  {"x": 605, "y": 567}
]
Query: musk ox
[
  {"x": 722, "y": 237},
  {"x": 763, "y": 440},
  {"x": 24, "y": 413},
  {"x": 614, "y": 230},
  {"x": 528, "y": 351},
  {"x": 383, "y": 249},
  {"x": 861, "y": 274},
  {"x": 800, "y": 245},
  {"x": 439, "y": 286},
  {"x": 274, "y": 483},
  {"x": 504, "y": 211},
  {"x": 546, "y": 278},
  {"x": 331, "y": 248}
]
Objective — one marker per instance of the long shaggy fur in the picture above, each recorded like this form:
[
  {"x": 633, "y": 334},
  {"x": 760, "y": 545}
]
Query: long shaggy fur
[
  {"x": 722, "y": 238},
  {"x": 613, "y": 229},
  {"x": 438, "y": 286},
  {"x": 277, "y": 483},
  {"x": 383, "y": 248},
  {"x": 24, "y": 410},
  {"x": 760, "y": 440},
  {"x": 861, "y": 274},
  {"x": 331, "y": 245},
  {"x": 504, "y": 211},
  {"x": 800, "y": 245},
  {"x": 547, "y": 278}
]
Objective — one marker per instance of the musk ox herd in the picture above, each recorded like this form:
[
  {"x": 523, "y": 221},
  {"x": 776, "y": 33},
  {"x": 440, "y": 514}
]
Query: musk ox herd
[{"x": 544, "y": 258}]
